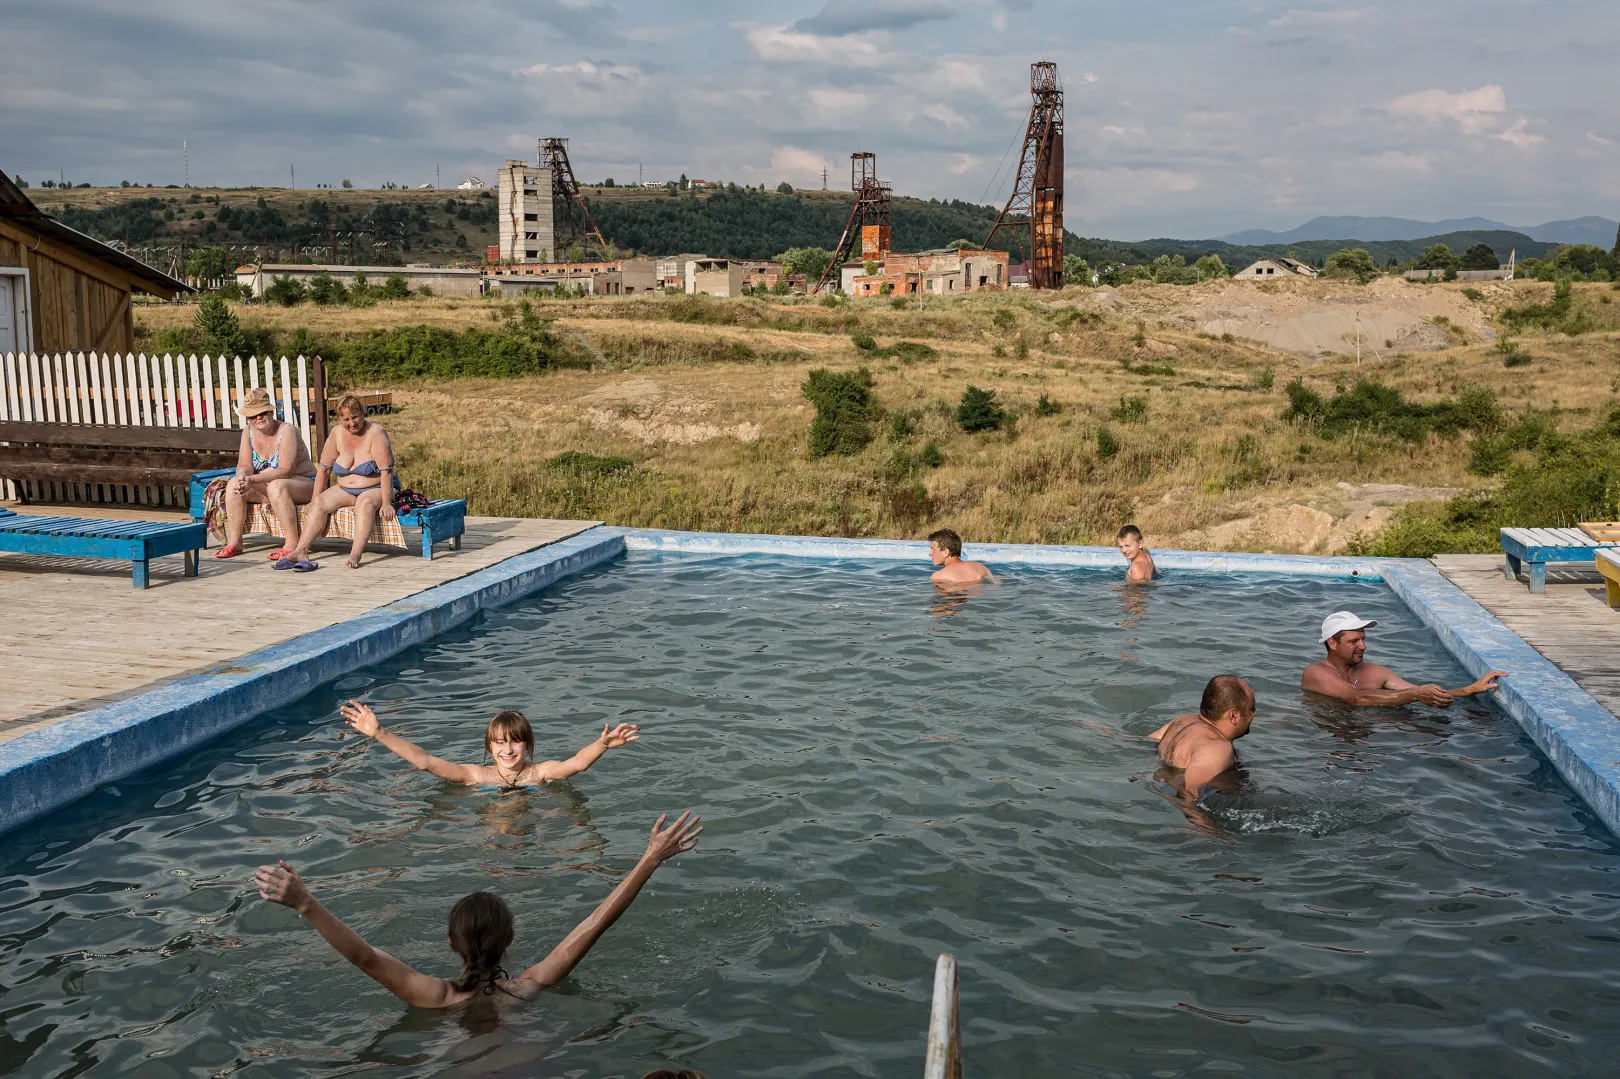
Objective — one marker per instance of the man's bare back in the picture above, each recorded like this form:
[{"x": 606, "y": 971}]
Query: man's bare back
[
  {"x": 1199, "y": 743},
  {"x": 945, "y": 551}
]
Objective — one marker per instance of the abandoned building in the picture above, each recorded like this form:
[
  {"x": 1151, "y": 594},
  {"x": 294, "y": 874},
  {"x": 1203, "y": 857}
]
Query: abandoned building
[
  {"x": 439, "y": 280},
  {"x": 523, "y": 198},
  {"x": 1274, "y": 268},
  {"x": 943, "y": 272},
  {"x": 60, "y": 289}
]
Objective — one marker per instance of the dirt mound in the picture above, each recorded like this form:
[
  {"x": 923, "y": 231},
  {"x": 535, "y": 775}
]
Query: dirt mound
[{"x": 1311, "y": 318}]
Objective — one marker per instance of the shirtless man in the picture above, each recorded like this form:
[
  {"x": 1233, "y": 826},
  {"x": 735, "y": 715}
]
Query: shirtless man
[
  {"x": 1344, "y": 676},
  {"x": 1141, "y": 566},
  {"x": 1200, "y": 743},
  {"x": 945, "y": 551}
]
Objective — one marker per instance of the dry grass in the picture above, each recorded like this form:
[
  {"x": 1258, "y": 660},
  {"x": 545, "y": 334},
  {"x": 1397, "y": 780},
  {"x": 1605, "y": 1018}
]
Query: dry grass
[{"x": 712, "y": 418}]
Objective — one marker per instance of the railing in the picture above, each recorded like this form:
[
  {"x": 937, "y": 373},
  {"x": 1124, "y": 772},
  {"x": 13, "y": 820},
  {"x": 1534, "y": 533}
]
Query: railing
[
  {"x": 944, "y": 1060},
  {"x": 149, "y": 391}
]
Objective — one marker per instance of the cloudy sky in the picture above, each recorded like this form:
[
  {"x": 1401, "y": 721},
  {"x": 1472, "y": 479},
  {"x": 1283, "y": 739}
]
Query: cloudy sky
[{"x": 1186, "y": 118}]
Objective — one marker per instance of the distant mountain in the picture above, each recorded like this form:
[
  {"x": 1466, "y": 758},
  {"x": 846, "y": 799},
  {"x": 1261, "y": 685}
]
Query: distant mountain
[
  {"x": 1098, "y": 252},
  {"x": 1580, "y": 230}
]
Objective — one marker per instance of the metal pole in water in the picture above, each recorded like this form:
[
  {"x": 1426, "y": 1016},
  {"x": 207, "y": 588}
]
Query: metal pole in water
[{"x": 944, "y": 1059}]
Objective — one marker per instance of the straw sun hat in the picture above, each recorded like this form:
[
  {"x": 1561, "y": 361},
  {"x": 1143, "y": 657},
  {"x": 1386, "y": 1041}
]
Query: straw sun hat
[{"x": 255, "y": 402}]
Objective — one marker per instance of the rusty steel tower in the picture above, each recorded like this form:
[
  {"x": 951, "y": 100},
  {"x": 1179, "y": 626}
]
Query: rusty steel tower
[
  {"x": 1036, "y": 203},
  {"x": 870, "y": 219},
  {"x": 571, "y": 221}
]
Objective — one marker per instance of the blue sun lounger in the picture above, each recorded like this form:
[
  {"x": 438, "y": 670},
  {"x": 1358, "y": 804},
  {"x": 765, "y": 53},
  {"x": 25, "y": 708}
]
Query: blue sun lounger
[
  {"x": 1538, "y": 546},
  {"x": 87, "y": 537}
]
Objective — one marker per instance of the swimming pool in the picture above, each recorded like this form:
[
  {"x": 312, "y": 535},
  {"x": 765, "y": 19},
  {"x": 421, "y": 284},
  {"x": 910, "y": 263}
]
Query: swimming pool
[{"x": 884, "y": 775}]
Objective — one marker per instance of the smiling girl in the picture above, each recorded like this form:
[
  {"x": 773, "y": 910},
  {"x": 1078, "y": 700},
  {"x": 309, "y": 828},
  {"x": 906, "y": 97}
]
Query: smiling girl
[{"x": 508, "y": 741}]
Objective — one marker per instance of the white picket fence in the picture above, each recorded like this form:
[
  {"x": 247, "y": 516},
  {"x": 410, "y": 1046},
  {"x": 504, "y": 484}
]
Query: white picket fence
[{"x": 144, "y": 391}]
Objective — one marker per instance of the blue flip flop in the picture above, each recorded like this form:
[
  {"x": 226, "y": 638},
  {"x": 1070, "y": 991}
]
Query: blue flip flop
[
  {"x": 304, "y": 565},
  {"x": 284, "y": 563}
]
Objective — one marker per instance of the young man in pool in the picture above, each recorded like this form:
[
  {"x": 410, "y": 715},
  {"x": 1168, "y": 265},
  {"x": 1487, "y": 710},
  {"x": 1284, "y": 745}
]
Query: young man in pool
[
  {"x": 481, "y": 929},
  {"x": 945, "y": 551},
  {"x": 508, "y": 741},
  {"x": 1344, "y": 675},
  {"x": 1141, "y": 566},
  {"x": 1199, "y": 744}
]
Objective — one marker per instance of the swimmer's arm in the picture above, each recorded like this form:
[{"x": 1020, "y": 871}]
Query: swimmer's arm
[
  {"x": 1484, "y": 684},
  {"x": 281, "y": 884},
  {"x": 364, "y": 720},
  {"x": 664, "y": 844},
  {"x": 623, "y": 734},
  {"x": 1393, "y": 691},
  {"x": 1158, "y": 735}
]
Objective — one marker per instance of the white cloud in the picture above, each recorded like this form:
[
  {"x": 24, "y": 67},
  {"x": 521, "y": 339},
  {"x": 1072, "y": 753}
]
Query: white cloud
[
  {"x": 1516, "y": 135},
  {"x": 1117, "y": 130},
  {"x": 1297, "y": 19},
  {"x": 1088, "y": 77},
  {"x": 842, "y": 17},
  {"x": 1474, "y": 110},
  {"x": 945, "y": 115},
  {"x": 585, "y": 71},
  {"x": 791, "y": 160},
  {"x": 964, "y": 163},
  {"x": 783, "y": 44},
  {"x": 998, "y": 21},
  {"x": 1599, "y": 139},
  {"x": 831, "y": 99},
  {"x": 1399, "y": 161}
]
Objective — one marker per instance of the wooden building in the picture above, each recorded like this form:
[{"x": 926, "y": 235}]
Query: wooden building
[{"x": 61, "y": 289}]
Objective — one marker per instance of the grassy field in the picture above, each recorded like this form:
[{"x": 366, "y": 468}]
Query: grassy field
[{"x": 691, "y": 416}]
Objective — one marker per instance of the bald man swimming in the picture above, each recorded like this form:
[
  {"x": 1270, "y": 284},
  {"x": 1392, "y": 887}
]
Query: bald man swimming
[{"x": 1199, "y": 744}]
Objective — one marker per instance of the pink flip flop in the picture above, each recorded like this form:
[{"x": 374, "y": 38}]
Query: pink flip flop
[{"x": 278, "y": 554}]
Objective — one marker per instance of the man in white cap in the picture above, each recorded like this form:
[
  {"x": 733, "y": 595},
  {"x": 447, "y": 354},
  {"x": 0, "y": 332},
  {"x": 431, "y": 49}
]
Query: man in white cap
[{"x": 1343, "y": 674}]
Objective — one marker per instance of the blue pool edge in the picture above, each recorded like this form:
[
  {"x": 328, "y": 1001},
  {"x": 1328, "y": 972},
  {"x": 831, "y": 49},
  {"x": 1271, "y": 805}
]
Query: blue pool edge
[
  {"x": 45, "y": 769},
  {"x": 1573, "y": 731},
  {"x": 49, "y": 768}
]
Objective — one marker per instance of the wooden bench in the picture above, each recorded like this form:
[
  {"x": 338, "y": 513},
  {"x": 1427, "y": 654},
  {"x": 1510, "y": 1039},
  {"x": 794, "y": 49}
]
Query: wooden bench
[
  {"x": 442, "y": 521},
  {"x": 1539, "y": 546},
  {"x": 81, "y": 537},
  {"x": 1608, "y": 564},
  {"x": 112, "y": 455}
]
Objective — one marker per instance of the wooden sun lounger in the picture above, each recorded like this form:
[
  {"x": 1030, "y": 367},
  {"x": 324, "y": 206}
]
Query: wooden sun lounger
[
  {"x": 83, "y": 537},
  {"x": 1608, "y": 564},
  {"x": 1538, "y": 546}
]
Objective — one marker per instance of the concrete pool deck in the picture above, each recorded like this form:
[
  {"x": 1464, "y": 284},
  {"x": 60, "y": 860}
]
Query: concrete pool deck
[
  {"x": 76, "y": 636},
  {"x": 50, "y": 762}
]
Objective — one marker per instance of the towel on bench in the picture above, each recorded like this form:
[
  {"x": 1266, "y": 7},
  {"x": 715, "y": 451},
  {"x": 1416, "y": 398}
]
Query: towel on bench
[{"x": 263, "y": 519}]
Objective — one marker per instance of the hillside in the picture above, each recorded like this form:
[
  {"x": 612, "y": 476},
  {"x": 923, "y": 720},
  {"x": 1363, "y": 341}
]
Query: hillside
[
  {"x": 1582, "y": 230},
  {"x": 454, "y": 227}
]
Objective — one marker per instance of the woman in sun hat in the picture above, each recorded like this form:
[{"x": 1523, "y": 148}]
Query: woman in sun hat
[{"x": 273, "y": 466}]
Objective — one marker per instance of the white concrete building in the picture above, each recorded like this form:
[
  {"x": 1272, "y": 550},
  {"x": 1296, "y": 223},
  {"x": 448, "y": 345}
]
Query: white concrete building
[
  {"x": 527, "y": 232},
  {"x": 442, "y": 280}
]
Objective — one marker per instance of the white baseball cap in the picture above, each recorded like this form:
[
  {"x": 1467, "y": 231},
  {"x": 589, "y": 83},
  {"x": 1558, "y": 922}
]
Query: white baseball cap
[{"x": 1339, "y": 621}]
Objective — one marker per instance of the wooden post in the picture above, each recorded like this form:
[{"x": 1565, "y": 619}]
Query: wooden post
[
  {"x": 320, "y": 406},
  {"x": 944, "y": 1059}
]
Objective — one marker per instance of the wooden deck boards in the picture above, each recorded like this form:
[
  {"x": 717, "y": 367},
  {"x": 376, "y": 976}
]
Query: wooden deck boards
[
  {"x": 76, "y": 636},
  {"x": 1570, "y": 623}
]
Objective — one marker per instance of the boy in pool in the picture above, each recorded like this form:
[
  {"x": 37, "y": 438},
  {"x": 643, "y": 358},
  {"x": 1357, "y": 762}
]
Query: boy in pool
[
  {"x": 481, "y": 929},
  {"x": 1141, "y": 566},
  {"x": 508, "y": 740},
  {"x": 945, "y": 551}
]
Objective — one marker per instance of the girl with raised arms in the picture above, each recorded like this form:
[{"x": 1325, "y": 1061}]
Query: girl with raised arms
[{"x": 508, "y": 741}]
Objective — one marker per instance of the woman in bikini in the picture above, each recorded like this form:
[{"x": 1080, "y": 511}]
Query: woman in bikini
[
  {"x": 508, "y": 741},
  {"x": 481, "y": 929},
  {"x": 358, "y": 455},
  {"x": 272, "y": 466}
]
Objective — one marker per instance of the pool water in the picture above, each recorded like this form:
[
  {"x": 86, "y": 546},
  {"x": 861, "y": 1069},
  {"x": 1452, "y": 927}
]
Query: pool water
[{"x": 884, "y": 774}]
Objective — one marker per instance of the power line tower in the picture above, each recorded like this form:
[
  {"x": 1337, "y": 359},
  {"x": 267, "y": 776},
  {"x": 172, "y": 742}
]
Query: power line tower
[
  {"x": 870, "y": 220},
  {"x": 1036, "y": 203},
  {"x": 571, "y": 220}
]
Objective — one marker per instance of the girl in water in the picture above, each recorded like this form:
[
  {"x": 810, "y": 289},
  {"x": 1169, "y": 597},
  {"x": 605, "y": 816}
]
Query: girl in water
[
  {"x": 508, "y": 741},
  {"x": 481, "y": 929}
]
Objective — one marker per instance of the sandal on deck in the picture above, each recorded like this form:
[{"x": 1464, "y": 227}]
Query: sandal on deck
[
  {"x": 230, "y": 550},
  {"x": 279, "y": 553},
  {"x": 304, "y": 565}
]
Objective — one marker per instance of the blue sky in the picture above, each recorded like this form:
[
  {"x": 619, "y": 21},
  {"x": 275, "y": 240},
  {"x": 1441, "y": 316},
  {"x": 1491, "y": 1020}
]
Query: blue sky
[{"x": 1185, "y": 119}]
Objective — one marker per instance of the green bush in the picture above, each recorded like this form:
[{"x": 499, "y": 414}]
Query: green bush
[
  {"x": 979, "y": 411},
  {"x": 1373, "y": 408},
  {"x": 703, "y": 311},
  {"x": 864, "y": 341},
  {"x": 220, "y": 332},
  {"x": 1131, "y": 410},
  {"x": 324, "y": 290},
  {"x": 589, "y": 464},
  {"x": 395, "y": 287},
  {"x": 909, "y": 351},
  {"x": 929, "y": 456},
  {"x": 417, "y": 352},
  {"x": 285, "y": 290},
  {"x": 1555, "y": 313},
  {"x": 1569, "y": 479},
  {"x": 1047, "y": 407},
  {"x": 1107, "y": 444},
  {"x": 844, "y": 411}
]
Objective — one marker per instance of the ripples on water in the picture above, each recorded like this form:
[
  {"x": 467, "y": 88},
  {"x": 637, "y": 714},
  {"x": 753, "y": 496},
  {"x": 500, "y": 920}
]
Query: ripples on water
[{"x": 884, "y": 776}]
